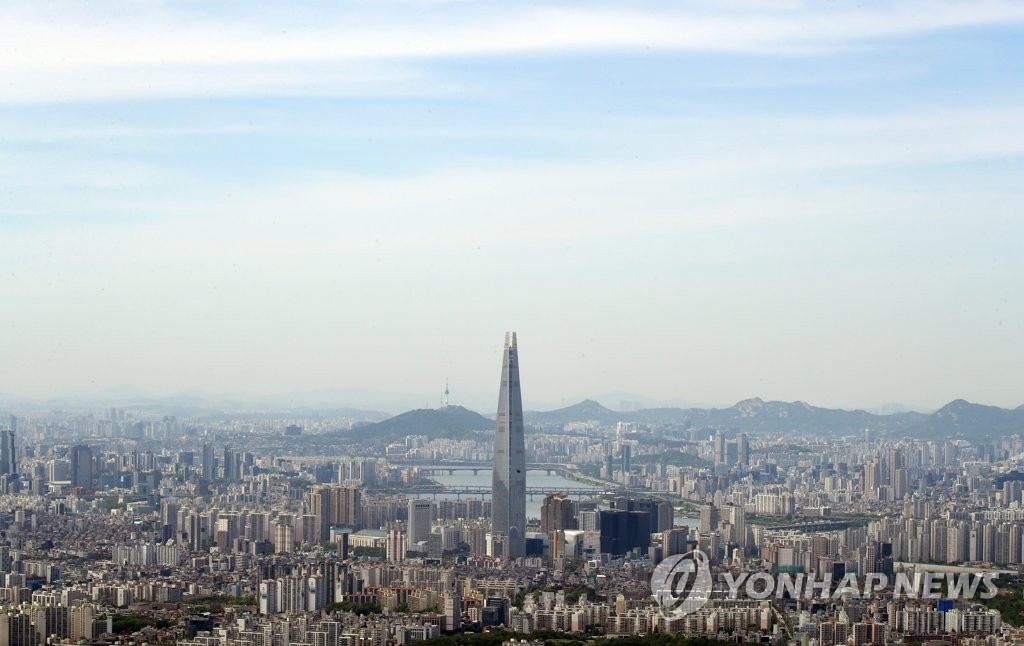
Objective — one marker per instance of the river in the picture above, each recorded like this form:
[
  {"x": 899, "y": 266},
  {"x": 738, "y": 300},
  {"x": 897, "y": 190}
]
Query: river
[{"x": 551, "y": 483}]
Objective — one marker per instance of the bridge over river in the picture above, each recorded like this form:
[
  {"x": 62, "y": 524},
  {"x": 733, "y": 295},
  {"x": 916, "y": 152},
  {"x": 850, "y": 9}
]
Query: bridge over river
[
  {"x": 463, "y": 490},
  {"x": 451, "y": 466},
  {"x": 581, "y": 489}
]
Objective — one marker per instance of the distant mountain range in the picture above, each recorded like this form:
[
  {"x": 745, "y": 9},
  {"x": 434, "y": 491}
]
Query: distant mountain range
[
  {"x": 748, "y": 415},
  {"x": 186, "y": 405},
  {"x": 958, "y": 419}
]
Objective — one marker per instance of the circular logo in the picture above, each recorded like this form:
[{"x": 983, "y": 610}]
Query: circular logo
[{"x": 681, "y": 584}]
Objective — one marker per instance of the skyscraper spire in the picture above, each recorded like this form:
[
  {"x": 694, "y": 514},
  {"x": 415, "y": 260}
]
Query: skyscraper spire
[{"x": 508, "y": 503}]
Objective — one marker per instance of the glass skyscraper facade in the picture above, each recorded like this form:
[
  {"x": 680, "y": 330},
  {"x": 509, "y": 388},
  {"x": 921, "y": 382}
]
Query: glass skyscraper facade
[{"x": 508, "y": 508}]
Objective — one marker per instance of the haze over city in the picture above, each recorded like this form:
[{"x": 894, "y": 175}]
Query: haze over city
[
  {"x": 460, "y": 323},
  {"x": 678, "y": 204}
]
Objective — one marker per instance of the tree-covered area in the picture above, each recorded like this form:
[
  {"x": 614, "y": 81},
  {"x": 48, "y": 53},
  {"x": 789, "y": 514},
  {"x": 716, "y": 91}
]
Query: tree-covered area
[
  {"x": 675, "y": 459},
  {"x": 215, "y": 603},
  {"x": 129, "y": 623},
  {"x": 1009, "y": 602},
  {"x": 574, "y": 593},
  {"x": 353, "y": 606},
  {"x": 495, "y": 638},
  {"x": 662, "y": 639}
]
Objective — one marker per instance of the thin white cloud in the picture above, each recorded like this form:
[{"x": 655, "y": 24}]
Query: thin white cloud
[
  {"x": 98, "y": 82},
  {"x": 21, "y": 131},
  {"x": 94, "y": 51},
  {"x": 317, "y": 213},
  {"x": 303, "y": 262},
  {"x": 687, "y": 161},
  {"x": 243, "y": 283}
]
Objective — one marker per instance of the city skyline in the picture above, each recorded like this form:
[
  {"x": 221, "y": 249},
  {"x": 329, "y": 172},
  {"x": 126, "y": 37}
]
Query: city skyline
[
  {"x": 256, "y": 257},
  {"x": 704, "y": 202},
  {"x": 334, "y": 526},
  {"x": 393, "y": 403}
]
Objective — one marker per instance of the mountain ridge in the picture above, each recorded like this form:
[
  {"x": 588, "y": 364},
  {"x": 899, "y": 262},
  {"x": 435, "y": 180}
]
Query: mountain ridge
[
  {"x": 450, "y": 422},
  {"x": 961, "y": 418},
  {"x": 958, "y": 418}
]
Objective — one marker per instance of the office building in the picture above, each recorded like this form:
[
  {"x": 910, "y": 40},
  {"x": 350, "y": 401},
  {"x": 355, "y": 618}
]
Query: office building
[
  {"x": 232, "y": 464},
  {"x": 419, "y": 520},
  {"x": 622, "y": 531},
  {"x": 508, "y": 508},
  {"x": 209, "y": 462},
  {"x": 8, "y": 457},
  {"x": 81, "y": 467},
  {"x": 673, "y": 541},
  {"x": 556, "y": 513},
  {"x": 708, "y": 518}
]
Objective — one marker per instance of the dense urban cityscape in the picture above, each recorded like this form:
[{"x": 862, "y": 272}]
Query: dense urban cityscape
[
  {"x": 262, "y": 529},
  {"x": 753, "y": 260}
]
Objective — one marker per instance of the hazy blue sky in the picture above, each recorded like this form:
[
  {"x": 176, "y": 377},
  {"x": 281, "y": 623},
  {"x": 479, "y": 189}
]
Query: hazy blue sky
[{"x": 692, "y": 202}]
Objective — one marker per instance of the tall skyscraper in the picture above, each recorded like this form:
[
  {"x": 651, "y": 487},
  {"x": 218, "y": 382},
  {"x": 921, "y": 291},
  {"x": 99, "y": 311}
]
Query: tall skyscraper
[
  {"x": 872, "y": 478},
  {"x": 895, "y": 464},
  {"x": 396, "y": 546},
  {"x": 81, "y": 466},
  {"x": 900, "y": 483},
  {"x": 556, "y": 513},
  {"x": 9, "y": 480},
  {"x": 708, "y": 518},
  {"x": 452, "y": 605},
  {"x": 622, "y": 531},
  {"x": 719, "y": 446},
  {"x": 508, "y": 508},
  {"x": 209, "y": 462},
  {"x": 232, "y": 464},
  {"x": 419, "y": 520},
  {"x": 8, "y": 458},
  {"x": 334, "y": 506},
  {"x": 673, "y": 541},
  {"x": 737, "y": 519}
]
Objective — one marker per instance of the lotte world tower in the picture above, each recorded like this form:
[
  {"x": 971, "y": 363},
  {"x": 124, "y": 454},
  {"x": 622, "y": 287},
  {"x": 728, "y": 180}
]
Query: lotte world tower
[{"x": 508, "y": 502}]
